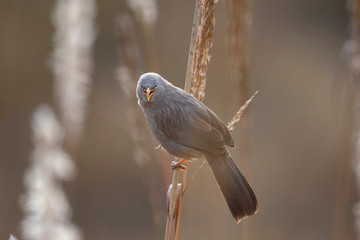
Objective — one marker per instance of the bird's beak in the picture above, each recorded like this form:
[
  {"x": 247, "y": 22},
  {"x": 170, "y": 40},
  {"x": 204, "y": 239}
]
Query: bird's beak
[{"x": 148, "y": 92}]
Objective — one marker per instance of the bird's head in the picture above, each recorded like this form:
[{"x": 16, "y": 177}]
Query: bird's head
[{"x": 150, "y": 87}]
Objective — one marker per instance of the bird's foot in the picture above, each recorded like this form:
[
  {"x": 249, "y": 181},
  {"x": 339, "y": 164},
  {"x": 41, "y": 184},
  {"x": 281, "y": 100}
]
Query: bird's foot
[{"x": 179, "y": 164}]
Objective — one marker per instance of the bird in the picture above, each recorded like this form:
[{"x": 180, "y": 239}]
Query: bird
[{"x": 188, "y": 129}]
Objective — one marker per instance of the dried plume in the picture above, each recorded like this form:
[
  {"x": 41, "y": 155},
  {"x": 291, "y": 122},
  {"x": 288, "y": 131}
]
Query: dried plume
[
  {"x": 146, "y": 11},
  {"x": 72, "y": 60},
  {"x": 237, "y": 116},
  {"x": 200, "y": 54},
  {"x": 127, "y": 75},
  {"x": 238, "y": 24},
  {"x": 12, "y": 237},
  {"x": 47, "y": 212},
  {"x": 351, "y": 57}
]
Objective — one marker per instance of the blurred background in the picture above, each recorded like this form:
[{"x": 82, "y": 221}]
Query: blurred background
[{"x": 299, "y": 138}]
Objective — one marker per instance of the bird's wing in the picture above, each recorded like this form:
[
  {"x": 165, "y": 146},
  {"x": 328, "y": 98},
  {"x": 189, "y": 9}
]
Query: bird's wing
[
  {"x": 204, "y": 113},
  {"x": 217, "y": 123},
  {"x": 205, "y": 130},
  {"x": 202, "y": 136},
  {"x": 190, "y": 123}
]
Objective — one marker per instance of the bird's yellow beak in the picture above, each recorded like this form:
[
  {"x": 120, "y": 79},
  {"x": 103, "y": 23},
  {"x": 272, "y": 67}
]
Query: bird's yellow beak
[{"x": 148, "y": 92}]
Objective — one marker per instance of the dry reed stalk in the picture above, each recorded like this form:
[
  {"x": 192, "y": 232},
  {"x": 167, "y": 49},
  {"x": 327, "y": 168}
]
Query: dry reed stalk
[
  {"x": 146, "y": 12},
  {"x": 72, "y": 62},
  {"x": 202, "y": 47},
  {"x": 46, "y": 207},
  {"x": 12, "y": 237},
  {"x": 47, "y": 211},
  {"x": 145, "y": 156},
  {"x": 238, "y": 22},
  {"x": 72, "y": 65},
  {"x": 351, "y": 54},
  {"x": 352, "y": 48},
  {"x": 343, "y": 185},
  {"x": 239, "y": 114},
  {"x": 195, "y": 82},
  {"x": 191, "y": 57},
  {"x": 173, "y": 198},
  {"x": 237, "y": 41}
]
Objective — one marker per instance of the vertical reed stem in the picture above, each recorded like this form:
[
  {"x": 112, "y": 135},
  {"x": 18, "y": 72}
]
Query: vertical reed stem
[
  {"x": 237, "y": 41},
  {"x": 200, "y": 44}
]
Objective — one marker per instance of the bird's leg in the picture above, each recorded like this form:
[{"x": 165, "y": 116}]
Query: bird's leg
[{"x": 178, "y": 164}]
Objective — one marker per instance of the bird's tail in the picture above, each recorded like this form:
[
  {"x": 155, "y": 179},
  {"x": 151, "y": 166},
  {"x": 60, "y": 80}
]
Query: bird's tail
[{"x": 234, "y": 187}]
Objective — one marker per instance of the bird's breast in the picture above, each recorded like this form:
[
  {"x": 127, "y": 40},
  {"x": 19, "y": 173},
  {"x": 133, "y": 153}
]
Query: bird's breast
[{"x": 167, "y": 123}]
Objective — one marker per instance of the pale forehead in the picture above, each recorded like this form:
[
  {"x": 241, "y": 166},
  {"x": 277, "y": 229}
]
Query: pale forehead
[{"x": 149, "y": 79}]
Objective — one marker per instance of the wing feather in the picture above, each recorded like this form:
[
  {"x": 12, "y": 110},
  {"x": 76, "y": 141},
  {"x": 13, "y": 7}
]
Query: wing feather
[{"x": 190, "y": 123}]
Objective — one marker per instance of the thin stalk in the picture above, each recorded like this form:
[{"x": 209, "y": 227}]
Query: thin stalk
[
  {"x": 343, "y": 186},
  {"x": 195, "y": 28},
  {"x": 148, "y": 31},
  {"x": 173, "y": 193},
  {"x": 352, "y": 53},
  {"x": 147, "y": 18},
  {"x": 127, "y": 74},
  {"x": 200, "y": 45},
  {"x": 180, "y": 193},
  {"x": 187, "y": 88},
  {"x": 237, "y": 43}
]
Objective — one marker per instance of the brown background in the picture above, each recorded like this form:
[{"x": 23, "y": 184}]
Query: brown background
[{"x": 297, "y": 125}]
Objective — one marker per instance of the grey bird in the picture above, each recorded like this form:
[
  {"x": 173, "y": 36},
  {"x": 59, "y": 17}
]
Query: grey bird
[{"x": 187, "y": 129}]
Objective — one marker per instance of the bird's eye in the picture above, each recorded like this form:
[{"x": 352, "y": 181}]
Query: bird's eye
[
  {"x": 155, "y": 87},
  {"x": 142, "y": 87}
]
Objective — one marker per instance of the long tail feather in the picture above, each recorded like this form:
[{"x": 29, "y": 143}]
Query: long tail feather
[{"x": 236, "y": 190}]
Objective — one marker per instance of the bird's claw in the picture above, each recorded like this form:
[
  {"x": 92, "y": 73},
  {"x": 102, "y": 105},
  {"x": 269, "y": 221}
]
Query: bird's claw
[{"x": 178, "y": 164}]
